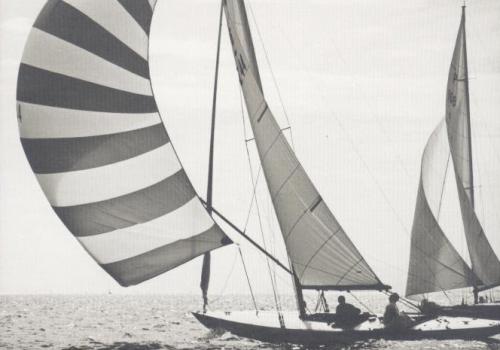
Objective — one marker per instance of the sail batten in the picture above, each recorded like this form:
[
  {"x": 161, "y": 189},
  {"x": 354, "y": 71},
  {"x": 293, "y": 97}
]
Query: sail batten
[
  {"x": 320, "y": 252},
  {"x": 92, "y": 133}
]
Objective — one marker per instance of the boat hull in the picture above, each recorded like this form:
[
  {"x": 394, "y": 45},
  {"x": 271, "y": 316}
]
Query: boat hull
[
  {"x": 489, "y": 311},
  {"x": 266, "y": 328}
]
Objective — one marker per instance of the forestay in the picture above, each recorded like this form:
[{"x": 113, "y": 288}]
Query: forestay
[
  {"x": 321, "y": 254},
  {"x": 92, "y": 133},
  {"x": 485, "y": 263},
  {"x": 435, "y": 265}
]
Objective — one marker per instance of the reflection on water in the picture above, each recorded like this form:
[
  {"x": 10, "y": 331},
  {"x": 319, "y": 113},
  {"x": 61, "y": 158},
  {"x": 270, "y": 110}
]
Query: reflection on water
[{"x": 111, "y": 322}]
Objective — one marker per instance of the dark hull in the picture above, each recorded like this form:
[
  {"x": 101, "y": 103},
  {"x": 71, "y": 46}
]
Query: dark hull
[
  {"x": 487, "y": 311},
  {"x": 326, "y": 337}
]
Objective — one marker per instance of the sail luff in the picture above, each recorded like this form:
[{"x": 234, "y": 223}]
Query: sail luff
[
  {"x": 92, "y": 133},
  {"x": 484, "y": 261},
  {"x": 320, "y": 251}
]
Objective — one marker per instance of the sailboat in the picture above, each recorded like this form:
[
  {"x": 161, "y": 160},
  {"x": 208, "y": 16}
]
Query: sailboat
[
  {"x": 435, "y": 264},
  {"x": 93, "y": 135}
]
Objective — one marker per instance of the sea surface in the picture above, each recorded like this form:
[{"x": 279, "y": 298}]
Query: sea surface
[{"x": 147, "y": 322}]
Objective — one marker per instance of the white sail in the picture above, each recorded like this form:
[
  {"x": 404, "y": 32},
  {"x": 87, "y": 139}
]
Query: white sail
[
  {"x": 94, "y": 138},
  {"x": 321, "y": 253},
  {"x": 435, "y": 265},
  {"x": 485, "y": 263}
]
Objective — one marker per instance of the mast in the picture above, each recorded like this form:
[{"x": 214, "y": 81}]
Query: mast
[
  {"x": 467, "y": 101},
  {"x": 205, "y": 271},
  {"x": 475, "y": 289}
]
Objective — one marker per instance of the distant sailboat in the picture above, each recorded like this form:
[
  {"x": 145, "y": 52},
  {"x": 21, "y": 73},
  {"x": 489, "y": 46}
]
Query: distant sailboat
[
  {"x": 435, "y": 265},
  {"x": 92, "y": 133}
]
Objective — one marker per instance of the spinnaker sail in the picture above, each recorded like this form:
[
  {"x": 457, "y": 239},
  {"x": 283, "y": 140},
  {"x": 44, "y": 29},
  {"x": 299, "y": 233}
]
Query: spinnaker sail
[
  {"x": 93, "y": 136},
  {"x": 435, "y": 265},
  {"x": 321, "y": 253}
]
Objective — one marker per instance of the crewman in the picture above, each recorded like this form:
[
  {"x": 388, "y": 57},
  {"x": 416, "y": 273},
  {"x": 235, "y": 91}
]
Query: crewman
[
  {"x": 346, "y": 314},
  {"x": 392, "y": 317}
]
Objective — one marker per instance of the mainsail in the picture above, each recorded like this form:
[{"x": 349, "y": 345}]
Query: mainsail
[
  {"x": 435, "y": 265},
  {"x": 321, "y": 254},
  {"x": 93, "y": 136},
  {"x": 485, "y": 263}
]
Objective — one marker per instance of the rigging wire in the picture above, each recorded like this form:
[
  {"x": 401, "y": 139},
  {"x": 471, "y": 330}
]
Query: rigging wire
[
  {"x": 377, "y": 183},
  {"x": 338, "y": 121},
  {"x": 254, "y": 198},
  {"x": 248, "y": 280},
  {"x": 275, "y": 82},
  {"x": 473, "y": 99},
  {"x": 254, "y": 194},
  {"x": 224, "y": 286}
]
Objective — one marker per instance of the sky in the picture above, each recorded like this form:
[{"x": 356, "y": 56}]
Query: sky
[{"x": 361, "y": 84}]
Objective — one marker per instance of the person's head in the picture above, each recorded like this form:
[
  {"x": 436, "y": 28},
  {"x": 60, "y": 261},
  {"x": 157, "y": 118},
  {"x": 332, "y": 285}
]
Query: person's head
[
  {"x": 394, "y": 297},
  {"x": 341, "y": 299}
]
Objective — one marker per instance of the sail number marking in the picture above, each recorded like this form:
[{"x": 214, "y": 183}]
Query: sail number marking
[{"x": 241, "y": 67}]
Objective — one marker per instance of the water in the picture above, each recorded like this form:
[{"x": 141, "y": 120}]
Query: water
[{"x": 117, "y": 322}]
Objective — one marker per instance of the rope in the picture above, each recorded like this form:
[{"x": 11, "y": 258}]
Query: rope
[
  {"x": 361, "y": 303},
  {"x": 224, "y": 286},
  {"x": 443, "y": 186},
  {"x": 405, "y": 301},
  {"x": 248, "y": 280}
]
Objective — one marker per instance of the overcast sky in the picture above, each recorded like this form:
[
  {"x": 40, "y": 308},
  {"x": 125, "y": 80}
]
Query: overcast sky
[{"x": 363, "y": 84}]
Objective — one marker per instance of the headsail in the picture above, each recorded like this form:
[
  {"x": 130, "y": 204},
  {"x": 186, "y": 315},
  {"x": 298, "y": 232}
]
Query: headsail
[
  {"x": 435, "y": 265},
  {"x": 322, "y": 255},
  {"x": 94, "y": 138},
  {"x": 485, "y": 263}
]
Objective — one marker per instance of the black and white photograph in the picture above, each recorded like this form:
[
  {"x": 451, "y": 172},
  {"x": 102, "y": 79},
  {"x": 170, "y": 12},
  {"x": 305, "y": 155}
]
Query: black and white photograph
[{"x": 249, "y": 174}]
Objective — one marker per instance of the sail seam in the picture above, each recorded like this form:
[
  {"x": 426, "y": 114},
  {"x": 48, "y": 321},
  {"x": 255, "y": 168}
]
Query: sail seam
[
  {"x": 295, "y": 224},
  {"x": 317, "y": 252},
  {"x": 350, "y": 269},
  {"x": 286, "y": 181}
]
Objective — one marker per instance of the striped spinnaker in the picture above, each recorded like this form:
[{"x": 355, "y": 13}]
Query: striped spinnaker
[{"x": 94, "y": 138}]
